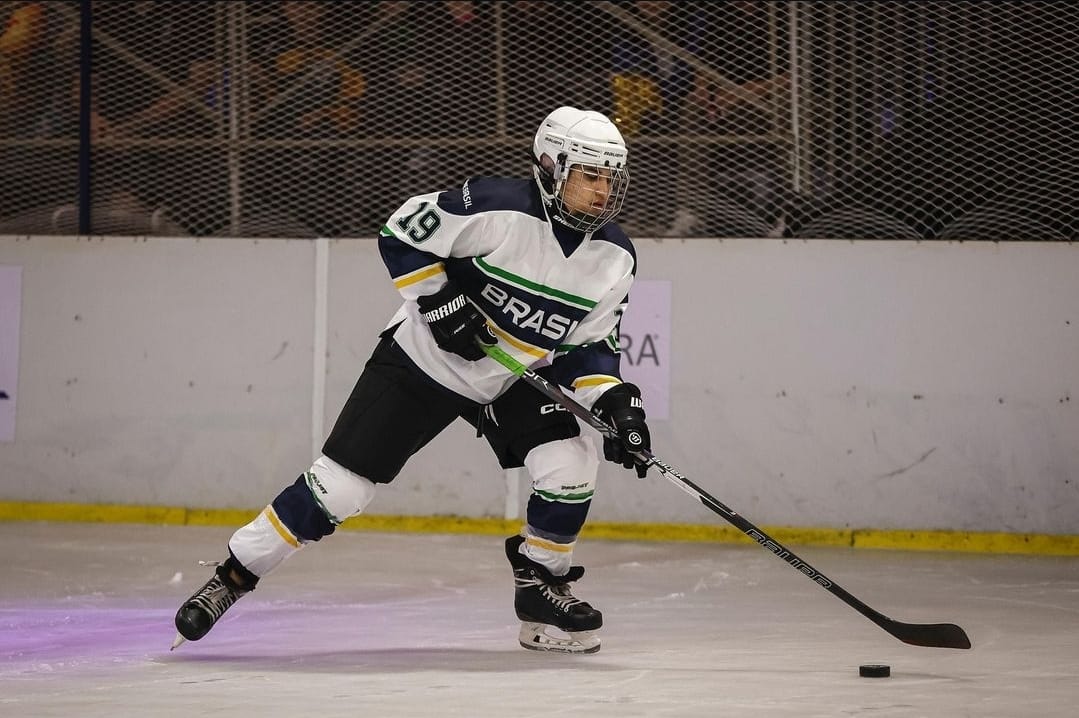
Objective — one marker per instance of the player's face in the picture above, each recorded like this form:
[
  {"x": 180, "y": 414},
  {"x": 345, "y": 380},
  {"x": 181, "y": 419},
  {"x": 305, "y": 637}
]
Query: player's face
[{"x": 586, "y": 190}]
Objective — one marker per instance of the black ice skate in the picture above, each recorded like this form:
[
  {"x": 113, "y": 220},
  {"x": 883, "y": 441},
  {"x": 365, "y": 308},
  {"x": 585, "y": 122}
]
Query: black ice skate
[
  {"x": 200, "y": 612},
  {"x": 543, "y": 601}
]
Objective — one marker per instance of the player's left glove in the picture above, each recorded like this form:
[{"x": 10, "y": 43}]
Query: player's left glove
[{"x": 622, "y": 408}]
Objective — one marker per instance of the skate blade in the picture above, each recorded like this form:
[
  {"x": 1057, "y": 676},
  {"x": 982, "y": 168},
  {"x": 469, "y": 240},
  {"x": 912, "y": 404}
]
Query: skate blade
[
  {"x": 177, "y": 641},
  {"x": 536, "y": 637}
]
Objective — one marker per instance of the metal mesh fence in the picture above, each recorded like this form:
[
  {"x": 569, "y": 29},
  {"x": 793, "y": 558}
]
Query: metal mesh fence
[
  {"x": 39, "y": 52},
  {"x": 750, "y": 119}
]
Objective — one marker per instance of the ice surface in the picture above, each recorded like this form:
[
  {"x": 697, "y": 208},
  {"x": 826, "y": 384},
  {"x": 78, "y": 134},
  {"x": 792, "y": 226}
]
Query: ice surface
[{"x": 416, "y": 625}]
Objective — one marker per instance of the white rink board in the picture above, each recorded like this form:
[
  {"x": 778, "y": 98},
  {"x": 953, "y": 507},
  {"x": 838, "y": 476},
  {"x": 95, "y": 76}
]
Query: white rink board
[
  {"x": 10, "y": 310},
  {"x": 167, "y": 372},
  {"x": 847, "y": 384}
]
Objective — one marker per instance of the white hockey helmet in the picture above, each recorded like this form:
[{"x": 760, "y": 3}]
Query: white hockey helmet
[{"x": 570, "y": 139}]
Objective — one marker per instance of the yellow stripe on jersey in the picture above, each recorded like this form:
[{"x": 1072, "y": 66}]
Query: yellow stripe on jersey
[
  {"x": 549, "y": 545},
  {"x": 419, "y": 275},
  {"x": 280, "y": 527},
  {"x": 516, "y": 343},
  {"x": 595, "y": 380}
]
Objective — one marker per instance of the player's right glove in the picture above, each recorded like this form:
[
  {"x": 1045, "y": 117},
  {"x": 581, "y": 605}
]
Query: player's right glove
[
  {"x": 622, "y": 408},
  {"x": 455, "y": 322}
]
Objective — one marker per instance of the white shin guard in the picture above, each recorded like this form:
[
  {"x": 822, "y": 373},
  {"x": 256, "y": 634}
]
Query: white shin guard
[
  {"x": 339, "y": 492},
  {"x": 265, "y": 542},
  {"x": 562, "y": 471}
]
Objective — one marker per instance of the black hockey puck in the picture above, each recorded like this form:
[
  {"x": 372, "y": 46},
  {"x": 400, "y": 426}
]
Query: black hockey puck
[{"x": 874, "y": 670}]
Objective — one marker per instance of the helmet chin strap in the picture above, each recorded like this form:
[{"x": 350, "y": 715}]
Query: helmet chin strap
[
  {"x": 559, "y": 171},
  {"x": 551, "y": 208}
]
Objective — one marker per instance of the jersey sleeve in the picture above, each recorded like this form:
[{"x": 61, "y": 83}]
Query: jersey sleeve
[
  {"x": 589, "y": 361},
  {"x": 420, "y": 236}
]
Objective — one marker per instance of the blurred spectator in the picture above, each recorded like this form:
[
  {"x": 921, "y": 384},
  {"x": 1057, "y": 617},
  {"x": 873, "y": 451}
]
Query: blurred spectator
[
  {"x": 748, "y": 104},
  {"x": 657, "y": 91},
  {"x": 314, "y": 92},
  {"x": 155, "y": 73},
  {"x": 32, "y": 73},
  {"x": 23, "y": 59},
  {"x": 431, "y": 71},
  {"x": 310, "y": 88},
  {"x": 155, "y": 76},
  {"x": 753, "y": 66},
  {"x": 651, "y": 77},
  {"x": 753, "y": 104},
  {"x": 554, "y": 54},
  {"x": 684, "y": 72},
  {"x": 435, "y": 60}
]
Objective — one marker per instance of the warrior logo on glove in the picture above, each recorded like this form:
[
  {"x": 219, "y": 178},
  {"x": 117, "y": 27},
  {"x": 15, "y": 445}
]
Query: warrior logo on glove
[
  {"x": 456, "y": 323},
  {"x": 622, "y": 408}
]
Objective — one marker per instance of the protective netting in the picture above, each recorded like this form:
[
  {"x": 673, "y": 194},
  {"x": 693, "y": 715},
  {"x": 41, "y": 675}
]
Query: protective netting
[{"x": 750, "y": 119}]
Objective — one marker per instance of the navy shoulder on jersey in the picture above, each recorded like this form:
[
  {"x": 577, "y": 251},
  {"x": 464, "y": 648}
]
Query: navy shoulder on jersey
[
  {"x": 401, "y": 258},
  {"x": 612, "y": 233},
  {"x": 493, "y": 194}
]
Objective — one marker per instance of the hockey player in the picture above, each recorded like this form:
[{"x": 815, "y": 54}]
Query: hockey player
[{"x": 537, "y": 266}]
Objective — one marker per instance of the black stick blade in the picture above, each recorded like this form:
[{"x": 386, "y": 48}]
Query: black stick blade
[{"x": 932, "y": 635}]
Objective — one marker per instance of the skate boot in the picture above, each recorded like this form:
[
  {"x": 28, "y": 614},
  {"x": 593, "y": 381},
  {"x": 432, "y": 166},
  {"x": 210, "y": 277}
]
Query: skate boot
[
  {"x": 543, "y": 602},
  {"x": 200, "y": 612}
]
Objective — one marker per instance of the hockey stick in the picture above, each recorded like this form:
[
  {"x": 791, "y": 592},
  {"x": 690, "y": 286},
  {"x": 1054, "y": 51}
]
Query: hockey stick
[{"x": 934, "y": 635}]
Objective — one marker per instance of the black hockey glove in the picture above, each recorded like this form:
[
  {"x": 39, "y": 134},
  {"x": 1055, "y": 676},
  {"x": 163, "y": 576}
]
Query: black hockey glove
[
  {"x": 622, "y": 408},
  {"x": 456, "y": 323}
]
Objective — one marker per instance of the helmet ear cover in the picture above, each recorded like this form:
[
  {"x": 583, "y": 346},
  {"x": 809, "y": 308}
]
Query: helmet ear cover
[{"x": 548, "y": 171}]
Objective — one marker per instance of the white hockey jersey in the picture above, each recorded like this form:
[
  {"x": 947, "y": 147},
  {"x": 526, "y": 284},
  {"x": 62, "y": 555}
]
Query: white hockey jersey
[{"x": 549, "y": 294}]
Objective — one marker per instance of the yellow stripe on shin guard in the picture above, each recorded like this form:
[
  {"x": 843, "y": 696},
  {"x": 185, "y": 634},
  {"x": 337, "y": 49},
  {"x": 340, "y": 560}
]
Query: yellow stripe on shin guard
[
  {"x": 536, "y": 542},
  {"x": 555, "y": 557},
  {"x": 285, "y": 534},
  {"x": 262, "y": 544}
]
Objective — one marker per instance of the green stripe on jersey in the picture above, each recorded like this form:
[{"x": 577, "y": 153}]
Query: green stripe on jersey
[{"x": 551, "y": 292}]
